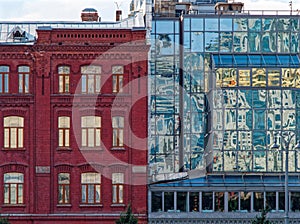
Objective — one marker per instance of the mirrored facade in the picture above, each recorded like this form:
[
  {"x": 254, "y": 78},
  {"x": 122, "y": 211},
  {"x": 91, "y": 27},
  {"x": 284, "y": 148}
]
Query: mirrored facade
[{"x": 241, "y": 93}]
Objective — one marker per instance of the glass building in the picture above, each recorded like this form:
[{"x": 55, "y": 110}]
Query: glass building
[{"x": 225, "y": 88}]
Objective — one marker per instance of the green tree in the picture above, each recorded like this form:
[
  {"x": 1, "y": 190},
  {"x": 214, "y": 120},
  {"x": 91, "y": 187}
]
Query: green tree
[
  {"x": 4, "y": 221},
  {"x": 262, "y": 219},
  {"x": 127, "y": 217}
]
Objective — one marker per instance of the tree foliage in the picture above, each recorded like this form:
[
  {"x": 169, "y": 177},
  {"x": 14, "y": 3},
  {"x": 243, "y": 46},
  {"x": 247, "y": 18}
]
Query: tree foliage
[
  {"x": 4, "y": 221},
  {"x": 262, "y": 219},
  {"x": 127, "y": 217}
]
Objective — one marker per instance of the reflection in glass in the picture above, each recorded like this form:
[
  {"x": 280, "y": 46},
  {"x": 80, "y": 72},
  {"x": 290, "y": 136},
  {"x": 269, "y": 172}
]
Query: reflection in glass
[
  {"x": 259, "y": 119},
  {"x": 211, "y": 41},
  {"x": 230, "y": 140},
  {"x": 244, "y": 119},
  {"x": 281, "y": 201},
  {"x": 225, "y": 24},
  {"x": 271, "y": 200},
  {"x": 294, "y": 42},
  {"x": 259, "y": 98},
  {"x": 229, "y": 77},
  {"x": 288, "y": 77},
  {"x": 283, "y": 42},
  {"x": 240, "y": 41},
  {"x": 230, "y": 119},
  {"x": 258, "y": 201},
  {"x": 197, "y": 42},
  {"x": 273, "y": 77},
  {"x": 219, "y": 201},
  {"x": 230, "y": 160},
  {"x": 245, "y": 199},
  {"x": 269, "y": 42},
  {"x": 225, "y": 41},
  {"x": 254, "y": 24},
  {"x": 244, "y": 98},
  {"x": 194, "y": 201},
  {"x": 274, "y": 99},
  {"x": 207, "y": 200},
  {"x": 156, "y": 202},
  {"x": 254, "y": 42},
  {"x": 269, "y": 24},
  {"x": 211, "y": 24},
  {"x": 259, "y": 140},
  {"x": 168, "y": 201},
  {"x": 240, "y": 24},
  {"x": 244, "y": 77},
  {"x": 258, "y": 77},
  {"x": 244, "y": 161},
  {"x": 245, "y": 140},
  {"x": 233, "y": 201},
  {"x": 259, "y": 161},
  {"x": 182, "y": 201},
  {"x": 229, "y": 98},
  {"x": 295, "y": 201}
]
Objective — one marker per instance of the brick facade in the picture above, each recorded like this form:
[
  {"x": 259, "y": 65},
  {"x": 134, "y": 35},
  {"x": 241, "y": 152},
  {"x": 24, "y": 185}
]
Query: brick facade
[{"x": 41, "y": 159}]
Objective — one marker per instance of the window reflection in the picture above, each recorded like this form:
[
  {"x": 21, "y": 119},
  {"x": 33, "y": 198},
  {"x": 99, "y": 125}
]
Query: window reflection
[
  {"x": 230, "y": 161},
  {"x": 182, "y": 201},
  {"x": 194, "y": 201},
  {"x": 168, "y": 201},
  {"x": 244, "y": 77},
  {"x": 273, "y": 77},
  {"x": 245, "y": 198},
  {"x": 271, "y": 200},
  {"x": 207, "y": 200},
  {"x": 258, "y": 77},
  {"x": 219, "y": 201},
  {"x": 233, "y": 201},
  {"x": 258, "y": 201},
  {"x": 295, "y": 201}
]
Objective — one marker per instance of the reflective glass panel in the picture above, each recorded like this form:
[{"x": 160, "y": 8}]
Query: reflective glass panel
[
  {"x": 258, "y": 77},
  {"x": 240, "y": 41},
  {"x": 273, "y": 77},
  {"x": 244, "y": 77}
]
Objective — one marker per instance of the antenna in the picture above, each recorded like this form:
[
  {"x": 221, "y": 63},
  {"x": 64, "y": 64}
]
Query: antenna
[
  {"x": 118, "y": 4},
  {"x": 291, "y": 7}
]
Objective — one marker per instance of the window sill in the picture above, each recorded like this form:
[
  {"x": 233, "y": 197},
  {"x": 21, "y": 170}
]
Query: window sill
[
  {"x": 14, "y": 149},
  {"x": 63, "y": 205},
  {"x": 63, "y": 149},
  {"x": 14, "y": 205},
  {"x": 90, "y": 148},
  {"x": 117, "y": 205},
  {"x": 90, "y": 205},
  {"x": 118, "y": 148}
]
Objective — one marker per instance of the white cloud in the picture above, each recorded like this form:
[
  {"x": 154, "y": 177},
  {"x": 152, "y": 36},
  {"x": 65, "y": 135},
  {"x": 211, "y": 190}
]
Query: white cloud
[{"x": 62, "y": 10}]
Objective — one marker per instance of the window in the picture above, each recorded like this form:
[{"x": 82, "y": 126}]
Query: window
[
  {"x": 13, "y": 188},
  {"x": 90, "y": 79},
  {"x": 63, "y": 188},
  {"x": 13, "y": 132},
  {"x": 117, "y": 187},
  {"x": 23, "y": 79},
  {"x": 64, "y": 79},
  {"x": 118, "y": 131},
  {"x": 118, "y": 74},
  {"x": 63, "y": 131},
  {"x": 90, "y": 131},
  {"x": 90, "y": 188},
  {"x": 4, "y": 72}
]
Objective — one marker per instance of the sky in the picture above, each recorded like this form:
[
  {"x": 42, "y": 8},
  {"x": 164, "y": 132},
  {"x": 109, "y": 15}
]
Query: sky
[{"x": 69, "y": 10}]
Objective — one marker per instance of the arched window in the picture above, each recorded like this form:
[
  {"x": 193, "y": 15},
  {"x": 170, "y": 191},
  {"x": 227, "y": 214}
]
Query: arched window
[
  {"x": 117, "y": 188},
  {"x": 13, "y": 188},
  {"x": 13, "y": 132},
  {"x": 63, "y": 188},
  {"x": 90, "y": 79},
  {"x": 90, "y": 188},
  {"x": 90, "y": 131}
]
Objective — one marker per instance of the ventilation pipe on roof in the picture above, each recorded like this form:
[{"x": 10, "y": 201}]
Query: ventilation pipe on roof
[{"x": 118, "y": 15}]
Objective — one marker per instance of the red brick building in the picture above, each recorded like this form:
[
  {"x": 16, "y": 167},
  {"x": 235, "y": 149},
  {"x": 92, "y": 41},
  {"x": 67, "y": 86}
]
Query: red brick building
[{"x": 74, "y": 126}]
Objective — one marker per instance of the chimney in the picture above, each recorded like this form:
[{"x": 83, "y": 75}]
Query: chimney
[
  {"x": 89, "y": 15},
  {"x": 118, "y": 15}
]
